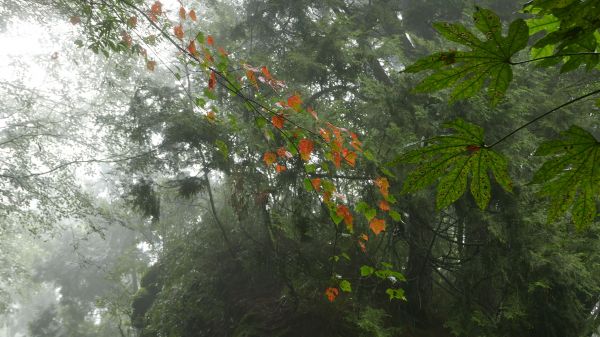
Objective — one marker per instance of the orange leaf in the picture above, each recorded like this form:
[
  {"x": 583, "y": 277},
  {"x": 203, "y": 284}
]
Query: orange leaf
[
  {"x": 306, "y": 147},
  {"x": 266, "y": 72},
  {"x": 211, "y": 116},
  {"x": 192, "y": 15},
  {"x": 132, "y": 22},
  {"x": 350, "y": 157},
  {"x": 295, "y": 102},
  {"x": 182, "y": 13},
  {"x": 280, "y": 168},
  {"x": 325, "y": 135},
  {"x": 383, "y": 185},
  {"x": 156, "y": 8},
  {"x": 252, "y": 78},
  {"x": 344, "y": 212},
  {"x": 278, "y": 121},
  {"x": 212, "y": 81},
  {"x": 384, "y": 206},
  {"x": 209, "y": 40},
  {"x": 316, "y": 184},
  {"x": 269, "y": 158},
  {"x": 337, "y": 159},
  {"x": 222, "y": 52},
  {"x": 362, "y": 246},
  {"x": 192, "y": 48},
  {"x": 364, "y": 237},
  {"x": 331, "y": 293},
  {"x": 377, "y": 225},
  {"x": 75, "y": 20},
  {"x": 207, "y": 56},
  {"x": 150, "y": 65},
  {"x": 178, "y": 30}
]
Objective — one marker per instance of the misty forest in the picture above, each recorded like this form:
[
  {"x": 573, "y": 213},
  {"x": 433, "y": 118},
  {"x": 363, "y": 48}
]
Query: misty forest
[{"x": 299, "y": 168}]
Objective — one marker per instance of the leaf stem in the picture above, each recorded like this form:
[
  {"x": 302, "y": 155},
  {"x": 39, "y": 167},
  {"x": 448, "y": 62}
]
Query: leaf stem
[
  {"x": 553, "y": 56},
  {"x": 574, "y": 100}
]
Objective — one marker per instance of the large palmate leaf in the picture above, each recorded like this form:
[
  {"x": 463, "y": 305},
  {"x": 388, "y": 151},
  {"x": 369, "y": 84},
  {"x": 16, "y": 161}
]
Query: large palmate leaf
[
  {"x": 451, "y": 160},
  {"x": 571, "y": 32},
  {"x": 571, "y": 178},
  {"x": 487, "y": 61}
]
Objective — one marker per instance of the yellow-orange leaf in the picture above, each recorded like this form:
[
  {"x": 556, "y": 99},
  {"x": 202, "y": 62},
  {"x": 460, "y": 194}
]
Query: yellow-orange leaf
[
  {"x": 182, "y": 13},
  {"x": 305, "y": 146},
  {"x": 364, "y": 237},
  {"x": 192, "y": 15},
  {"x": 383, "y": 185},
  {"x": 331, "y": 293},
  {"x": 316, "y": 184},
  {"x": 132, "y": 22},
  {"x": 384, "y": 206},
  {"x": 269, "y": 158},
  {"x": 209, "y": 40},
  {"x": 377, "y": 225},
  {"x": 150, "y": 65},
  {"x": 295, "y": 102},
  {"x": 278, "y": 121}
]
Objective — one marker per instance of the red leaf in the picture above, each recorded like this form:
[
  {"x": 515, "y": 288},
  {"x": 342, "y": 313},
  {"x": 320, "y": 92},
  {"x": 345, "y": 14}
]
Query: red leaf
[
  {"x": 212, "y": 81},
  {"x": 280, "y": 168},
  {"x": 252, "y": 78},
  {"x": 295, "y": 102},
  {"x": 192, "y": 15},
  {"x": 192, "y": 48},
  {"x": 278, "y": 121},
  {"x": 383, "y": 185},
  {"x": 377, "y": 225},
  {"x": 178, "y": 30},
  {"x": 316, "y": 184},
  {"x": 331, "y": 293},
  {"x": 209, "y": 40},
  {"x": 156, "y": 8},
  {"x": 151, "y": 65},
  {"x": 337, "y": 159},
  {"x": 269, "y": 158},
  {"x": 325, "y": 135},
  {"x": 384, "y": 206},
  {"x": 306, "y": 147},
  {"x": 473, "y": 148}
]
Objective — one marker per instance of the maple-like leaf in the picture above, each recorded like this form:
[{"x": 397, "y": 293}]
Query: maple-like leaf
[
  {"x": 571, "y": 177},
  {"x": 468, "y": 71},
  {"x": 306, "y": 147},
  {"x": 377, "y": 225},
  {"x": 269, "y": 158},
  {"x": 331, "y": 293},
  {"x": 450, "y": 160}
]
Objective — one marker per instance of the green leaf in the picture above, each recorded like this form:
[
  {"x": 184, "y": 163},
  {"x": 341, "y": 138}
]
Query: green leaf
[
  {"x": 345, "y": 286},
  {"x": 395, "y": 215},
  {"x": 487, "y": 61},
  {"x": 450, "y": 160},
  {"x": 571, "y": 177},
  {"x": 366, "y": 271},
  {"x": 396, "y": 294}
]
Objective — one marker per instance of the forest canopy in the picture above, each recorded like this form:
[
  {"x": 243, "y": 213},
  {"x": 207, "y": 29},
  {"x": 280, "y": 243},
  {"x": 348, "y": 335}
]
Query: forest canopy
[{"x": 300, "y": 168}]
